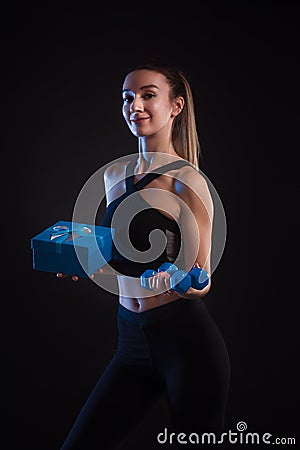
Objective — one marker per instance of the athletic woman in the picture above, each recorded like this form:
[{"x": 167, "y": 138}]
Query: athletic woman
[{"x": 168, "y": 343}]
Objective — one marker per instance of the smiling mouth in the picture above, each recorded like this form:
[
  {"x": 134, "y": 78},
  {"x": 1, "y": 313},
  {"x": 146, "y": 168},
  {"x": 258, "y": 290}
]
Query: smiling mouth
[{"x": 139, "y": 120}]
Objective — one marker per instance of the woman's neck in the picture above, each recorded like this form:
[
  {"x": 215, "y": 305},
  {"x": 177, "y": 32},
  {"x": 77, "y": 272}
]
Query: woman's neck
[{"x": 155, "y": 154}]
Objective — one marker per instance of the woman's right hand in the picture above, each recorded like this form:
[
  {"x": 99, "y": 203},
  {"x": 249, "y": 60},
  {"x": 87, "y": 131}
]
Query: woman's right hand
[{"x": 76, "y": 277}]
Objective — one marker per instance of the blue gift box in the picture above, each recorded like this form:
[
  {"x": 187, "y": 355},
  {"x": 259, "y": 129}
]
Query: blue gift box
[{"x": 72, "y": 248}]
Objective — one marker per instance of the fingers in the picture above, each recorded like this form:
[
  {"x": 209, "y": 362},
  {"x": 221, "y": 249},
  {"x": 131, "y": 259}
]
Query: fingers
[
  {"x": 99, "y": 271},
  {"x": 169, "y": 291},
  {"x": 161, "y": 282},
  {"x": 63, "y": 275},
  {"x": 75, "y": 277}
]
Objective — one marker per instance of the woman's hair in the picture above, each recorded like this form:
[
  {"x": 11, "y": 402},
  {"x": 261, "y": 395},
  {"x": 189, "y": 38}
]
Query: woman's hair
[{"x": 184, "y": 132}]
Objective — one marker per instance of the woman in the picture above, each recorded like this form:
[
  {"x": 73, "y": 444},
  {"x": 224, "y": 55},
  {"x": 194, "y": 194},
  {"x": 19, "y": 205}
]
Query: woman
[{"x": 168, "y": 344}]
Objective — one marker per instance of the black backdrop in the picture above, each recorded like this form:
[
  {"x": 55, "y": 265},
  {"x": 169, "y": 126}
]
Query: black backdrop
[{"x": 63, "y": 69}]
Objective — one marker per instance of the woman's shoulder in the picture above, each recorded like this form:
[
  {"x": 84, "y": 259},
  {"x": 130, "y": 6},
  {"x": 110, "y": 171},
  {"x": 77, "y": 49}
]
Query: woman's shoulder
[
  {"x": 115, "y": 173},
  {"x": 191, "y": 186},
  {"x": 116, "y": 168},
  {"x": 190, "y": 175}
]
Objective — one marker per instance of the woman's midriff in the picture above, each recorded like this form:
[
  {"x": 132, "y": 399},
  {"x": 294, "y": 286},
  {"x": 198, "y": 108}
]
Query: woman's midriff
[
  {"x": 139, "y": 305},
  {"x": 138, "y": 299}
]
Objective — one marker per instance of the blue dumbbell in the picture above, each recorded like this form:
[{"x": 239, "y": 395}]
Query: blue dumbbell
[
  {"x": 165, "y": 267},
  {"x": 180, "y": 280}
]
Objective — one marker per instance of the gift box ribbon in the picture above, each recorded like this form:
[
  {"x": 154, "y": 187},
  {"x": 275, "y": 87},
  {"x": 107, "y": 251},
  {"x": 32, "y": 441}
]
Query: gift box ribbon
[{"x": 62, "y": 233}]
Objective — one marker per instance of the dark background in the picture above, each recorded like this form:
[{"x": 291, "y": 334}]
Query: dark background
[{"x": 62, "y": 71}]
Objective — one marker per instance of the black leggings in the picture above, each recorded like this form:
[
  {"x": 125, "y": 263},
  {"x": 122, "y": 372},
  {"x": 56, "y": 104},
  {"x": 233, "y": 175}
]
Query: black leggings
[{"x": 175, "y": 350}]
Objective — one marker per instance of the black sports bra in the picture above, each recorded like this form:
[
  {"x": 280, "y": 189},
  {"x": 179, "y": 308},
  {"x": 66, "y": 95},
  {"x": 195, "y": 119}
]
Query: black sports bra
[{"x": 134, "y": 221}]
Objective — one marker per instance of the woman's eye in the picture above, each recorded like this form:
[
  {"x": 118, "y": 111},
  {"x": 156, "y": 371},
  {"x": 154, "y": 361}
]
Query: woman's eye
[
  {"x": 127, "y": 99},
  {"x": 148, "y": 96}
]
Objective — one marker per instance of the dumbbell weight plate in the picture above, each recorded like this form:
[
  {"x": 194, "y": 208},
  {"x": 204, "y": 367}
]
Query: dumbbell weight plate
[
  {"x": 168, "y": 267},
  {"x": 199, "y": 278},
  {"x": 180, "y": 281}
]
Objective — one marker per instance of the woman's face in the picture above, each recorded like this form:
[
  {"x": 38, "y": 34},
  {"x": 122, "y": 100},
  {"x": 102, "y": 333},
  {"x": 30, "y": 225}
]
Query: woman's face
[{"x": 147, "y": 107}]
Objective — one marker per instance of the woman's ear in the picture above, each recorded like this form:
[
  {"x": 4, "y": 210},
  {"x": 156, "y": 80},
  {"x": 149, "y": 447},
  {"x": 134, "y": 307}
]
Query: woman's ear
[{"x": 178, "y": 105}]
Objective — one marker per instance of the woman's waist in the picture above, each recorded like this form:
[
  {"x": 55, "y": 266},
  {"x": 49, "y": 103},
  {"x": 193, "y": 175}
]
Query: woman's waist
[
  {"x": 131, "y": 290},
  {"x": 153, "y": 313},
  {"x": 142, "y": 304}
]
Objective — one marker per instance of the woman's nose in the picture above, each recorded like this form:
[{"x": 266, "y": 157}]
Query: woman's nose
[{"x": 136, "y": 105}]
